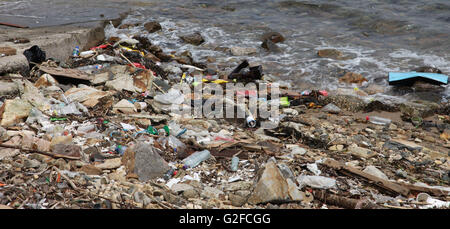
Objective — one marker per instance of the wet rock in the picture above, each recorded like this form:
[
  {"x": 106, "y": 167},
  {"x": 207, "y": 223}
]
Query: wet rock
[
  {"x": 152, "y": 26},
  {"x": 91, "y": 170},
  {"x": 185, "y": 58},
  {"x": 7, "y": 51},
  {"x": 428, "y": 69},
  {"x": 13, "y": 111},
  {"x": 152, "y": 57},
  {"x": 360, "y": 151},
  {"x": 374, "y": 89},
  {"x": 331, "y": 53},
  {"x": 127, "y": 26},
  {"x": 243, "y": 51},
  {"x": 271, "y": 187},
  {"x": 376, "y": 172},
  {"x": 351, "y": 77},
  {"x": 194, "y": 39},
  {"x": 270, "y": 46},
  {"x": 110, "y": 164},
  {"x": 331, "y": 108},
  {"x": 346, "y": 102},
  {"x": 417, "y": 109},
  {"x": 274, "y": 37},
  {"x": 143, "y": 161}
]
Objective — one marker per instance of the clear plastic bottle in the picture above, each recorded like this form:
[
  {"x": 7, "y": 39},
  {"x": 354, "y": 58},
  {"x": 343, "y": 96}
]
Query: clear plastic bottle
[
  {"x": 196, "y": 158},
  {"x": 251, "y": 122},
  {"x": 379, "y": 120},
  {"x": 234, "y": 163}
]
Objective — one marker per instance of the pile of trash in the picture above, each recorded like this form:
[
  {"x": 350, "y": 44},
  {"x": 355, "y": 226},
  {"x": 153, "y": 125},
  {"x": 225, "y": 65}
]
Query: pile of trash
[{"x": 99, "y": 131}]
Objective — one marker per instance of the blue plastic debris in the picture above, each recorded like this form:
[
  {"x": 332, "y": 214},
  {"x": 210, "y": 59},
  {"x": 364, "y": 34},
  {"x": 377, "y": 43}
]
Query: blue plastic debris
[{"x": 405, "y": 78}]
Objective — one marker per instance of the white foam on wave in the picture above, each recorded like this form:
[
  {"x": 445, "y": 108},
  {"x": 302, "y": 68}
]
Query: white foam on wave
[
  {"x": 442, "y": 63},
  {"x": 298, "y": 57}
]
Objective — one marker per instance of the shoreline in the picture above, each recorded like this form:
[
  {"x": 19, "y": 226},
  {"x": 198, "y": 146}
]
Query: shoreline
[{"x": 119, "y": 139}]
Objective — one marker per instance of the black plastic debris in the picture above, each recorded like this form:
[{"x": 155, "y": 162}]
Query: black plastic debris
[
  {"x": 243, "y": 74},
  {"x": 34, "y": 55}
]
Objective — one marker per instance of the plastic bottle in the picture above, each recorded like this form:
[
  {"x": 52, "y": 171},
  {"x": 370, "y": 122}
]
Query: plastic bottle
[
  {"x": 234, "y": 163},
  {"x": 120, "y": 149},
  {"x": 169, "y": 174},
  {"x": 86, "y": 54},
  {"x": 196, "y": 158},
  {"x": 76, "y": 51},
  {"x": 251, "y": 122},
  {"x": 379, "y": 121}
]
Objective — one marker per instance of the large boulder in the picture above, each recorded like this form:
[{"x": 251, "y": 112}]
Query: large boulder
[
  {"x": 195, "y": 38},
  {"x": 274, "y": 37},
  {"x": 152, "y": 26},
  {"x": 13, "y": 111},
  {"x": 271, "y": 186},
  {"x": 144, "y": 162}
]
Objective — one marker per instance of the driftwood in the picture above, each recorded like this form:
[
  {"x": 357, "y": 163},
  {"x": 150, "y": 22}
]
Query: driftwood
[
  {"x": 54, "y": 155},
  {"x": 344, "y": 202},
  {"x": 384, "y": 184},
  {"x": 416, "y": 188},
  {"x": 65, "y": 72},
  {"x": 13, "y": 25}
]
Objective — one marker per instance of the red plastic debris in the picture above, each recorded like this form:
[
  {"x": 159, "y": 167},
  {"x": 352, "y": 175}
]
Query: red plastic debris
[
  {"x": 100, "y": 47},
  {"x": 138, "y": 65},
  {"x": 323, "y": 92}
]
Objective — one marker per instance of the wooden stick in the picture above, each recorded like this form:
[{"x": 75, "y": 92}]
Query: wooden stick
[
  {"x": 384, "y": 184},
  {"x": 67, "y": 178},
  {"x": 395, "y": 207},
  {"x": 416, "y": 188},
  {"x": 343, "y": 202},
  {"x": 40, "y": 152},
  {"x": 13, "y": 25}
]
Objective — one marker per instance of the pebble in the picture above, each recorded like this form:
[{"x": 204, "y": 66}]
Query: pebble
[
  {"x": 401, "y": 173},
  {"x": 31, "y": 164}
]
